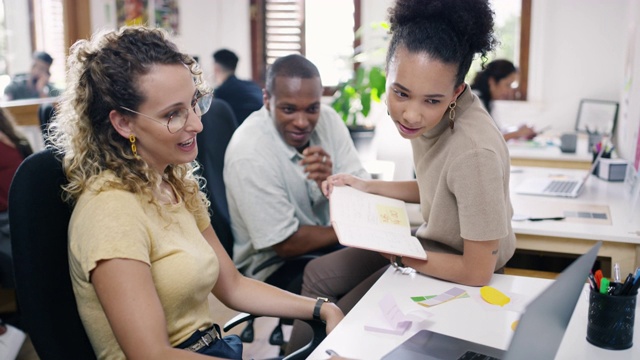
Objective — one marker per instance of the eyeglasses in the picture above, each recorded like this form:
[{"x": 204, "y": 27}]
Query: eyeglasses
[{"x": 176, "y": 120}]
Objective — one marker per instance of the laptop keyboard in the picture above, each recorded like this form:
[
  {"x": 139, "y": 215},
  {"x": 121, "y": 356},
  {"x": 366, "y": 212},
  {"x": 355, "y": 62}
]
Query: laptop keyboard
[
  {"x": 472, "y": 355},
  {"x": 561, "y": 186}
]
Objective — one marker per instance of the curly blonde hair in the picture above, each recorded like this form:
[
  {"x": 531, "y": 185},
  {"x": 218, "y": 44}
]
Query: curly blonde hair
[{"x": 103, "y": 75}]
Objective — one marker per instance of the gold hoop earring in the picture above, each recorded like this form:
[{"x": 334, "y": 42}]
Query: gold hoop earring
[
  {"x": 134, "y": 149},
  {"x": 452, "y": 114}
]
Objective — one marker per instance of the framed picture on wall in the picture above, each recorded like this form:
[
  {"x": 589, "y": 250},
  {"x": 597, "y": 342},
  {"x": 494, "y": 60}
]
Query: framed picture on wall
[
  {"x": 132, "y": 12},
  {"x": 167, "y": 16},
  {"x": 597, "y": 116}
]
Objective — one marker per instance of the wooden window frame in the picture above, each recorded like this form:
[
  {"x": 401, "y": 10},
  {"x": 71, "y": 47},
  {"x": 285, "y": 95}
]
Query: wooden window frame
[
  {"x": 77, "y": 22},
  {"x": 525, "y": 41}
]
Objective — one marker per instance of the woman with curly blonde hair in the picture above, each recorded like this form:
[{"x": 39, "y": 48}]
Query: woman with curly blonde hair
[{"x": 143, "y": 256}]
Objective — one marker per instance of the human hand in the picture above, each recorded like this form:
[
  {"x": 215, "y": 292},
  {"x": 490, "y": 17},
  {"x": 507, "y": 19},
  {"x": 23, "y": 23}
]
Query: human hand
[
  {"x": 342, "y": 180},
  {"x": 338, "y": 357},
  {"x": 41, "y": 84},
  {"x": 331, "y": 314},
  {"x": 317, "y": 164},
  {"x": 527, "y": 132}
]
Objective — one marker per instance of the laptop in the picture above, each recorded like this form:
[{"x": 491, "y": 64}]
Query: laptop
[
  {"x": 544, "y": 322},
  {"x": 547, "y": 186}
]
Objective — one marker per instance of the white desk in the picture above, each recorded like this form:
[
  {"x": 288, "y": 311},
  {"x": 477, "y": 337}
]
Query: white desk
[
  {"x": 465, "y": 318},
  {"x": 541, "y": 153},
  {"x": 621, "y": 239}
]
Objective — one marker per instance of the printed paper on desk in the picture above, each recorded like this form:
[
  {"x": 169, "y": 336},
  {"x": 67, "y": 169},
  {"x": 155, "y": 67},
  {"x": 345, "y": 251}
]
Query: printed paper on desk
[
  {"x": 390, "y": 319},
  {"x": 373, "y": 222},
  {"x": 453, "y": 293}
]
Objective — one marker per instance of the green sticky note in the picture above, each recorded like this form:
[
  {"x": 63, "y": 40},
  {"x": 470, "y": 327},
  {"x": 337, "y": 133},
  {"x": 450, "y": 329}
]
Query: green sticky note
[{"x": 422, "y": 298}]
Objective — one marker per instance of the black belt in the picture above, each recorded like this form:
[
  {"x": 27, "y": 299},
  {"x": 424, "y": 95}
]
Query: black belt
[{"x": 209, "y": 337}]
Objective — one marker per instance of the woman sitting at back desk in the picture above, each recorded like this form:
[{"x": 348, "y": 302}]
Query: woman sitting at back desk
[{"x": 495, "y": 83}]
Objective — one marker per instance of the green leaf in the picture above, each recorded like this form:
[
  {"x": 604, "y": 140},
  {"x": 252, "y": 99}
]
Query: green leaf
[
  {"x": 377, "y": 81},
  {"x": 365, "y": 99}
]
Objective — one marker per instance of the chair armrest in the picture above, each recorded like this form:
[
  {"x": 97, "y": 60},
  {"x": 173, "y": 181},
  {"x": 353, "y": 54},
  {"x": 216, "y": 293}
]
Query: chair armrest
[
  {"x": 318, "y": 327},
  {"x": 238, "y": 319},
  {"x": 319, "y": 333}
]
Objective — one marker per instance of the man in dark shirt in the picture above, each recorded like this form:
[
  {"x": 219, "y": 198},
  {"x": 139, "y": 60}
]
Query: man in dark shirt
[
  {"x": 243, "y": 96},
  {"x": 35, "y": 84}
]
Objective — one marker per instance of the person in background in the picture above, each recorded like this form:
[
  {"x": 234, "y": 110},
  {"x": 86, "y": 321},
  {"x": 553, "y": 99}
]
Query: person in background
[
  {"x": 495, "y": 82},
  {"x": 461, "y": 160},
  {"x": 14, "y": 148},
  {"x": 243, "y": 96},
  {"x": 35, "y": 84},
  {"x": 274, "y": 166},
  {"x": 143, "y": 256}
]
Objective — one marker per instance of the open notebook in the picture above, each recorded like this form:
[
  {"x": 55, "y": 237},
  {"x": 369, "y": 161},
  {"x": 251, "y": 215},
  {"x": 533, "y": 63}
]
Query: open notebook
[
  {"x": 544, "y": 322},
  {"x": 373, "y": 222},
  {"x": 548, "y": 186}
]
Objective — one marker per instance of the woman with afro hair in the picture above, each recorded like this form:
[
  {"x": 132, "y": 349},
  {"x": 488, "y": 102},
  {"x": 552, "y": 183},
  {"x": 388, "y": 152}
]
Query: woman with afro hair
[{"x": 460, "y": 157}]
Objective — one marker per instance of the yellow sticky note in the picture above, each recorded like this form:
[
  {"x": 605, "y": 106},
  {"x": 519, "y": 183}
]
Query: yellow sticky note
[{"x": 494, "y": 296}]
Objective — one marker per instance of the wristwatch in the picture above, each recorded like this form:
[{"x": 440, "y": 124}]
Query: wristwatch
[{"x": 316, "y": 309}]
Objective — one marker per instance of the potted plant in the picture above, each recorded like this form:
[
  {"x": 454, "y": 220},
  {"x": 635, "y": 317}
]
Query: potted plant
[{"x": 353, "y": 98}]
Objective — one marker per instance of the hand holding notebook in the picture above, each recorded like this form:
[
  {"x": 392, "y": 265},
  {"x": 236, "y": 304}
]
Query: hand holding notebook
[{"x": 373, "y": 222}]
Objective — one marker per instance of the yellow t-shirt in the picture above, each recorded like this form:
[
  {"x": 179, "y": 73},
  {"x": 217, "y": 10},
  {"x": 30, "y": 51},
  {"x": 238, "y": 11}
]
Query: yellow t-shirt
[{"x": 119, "y": 224}]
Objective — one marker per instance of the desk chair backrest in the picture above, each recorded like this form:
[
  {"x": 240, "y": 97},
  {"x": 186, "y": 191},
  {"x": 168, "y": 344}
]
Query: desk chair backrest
[
  {"x": 39, "y": 220},
  {"x": 219, "y": 123},
  {"x": 45, "y": 115}
]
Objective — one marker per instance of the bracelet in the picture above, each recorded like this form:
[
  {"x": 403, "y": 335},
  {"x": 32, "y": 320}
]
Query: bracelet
[{"x": 316, "y": 308}]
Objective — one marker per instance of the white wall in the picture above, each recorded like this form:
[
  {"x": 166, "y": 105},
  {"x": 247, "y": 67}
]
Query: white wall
[
  {"x": 18, "y": 40},
  {"x": 205, "y": 26},
  {"x": 628, "y": 134}
]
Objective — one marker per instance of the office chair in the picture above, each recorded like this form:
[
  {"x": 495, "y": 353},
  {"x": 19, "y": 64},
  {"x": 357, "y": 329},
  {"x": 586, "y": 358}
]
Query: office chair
[
  {"x": 219, "y": 123},
  {"x": 45, "y": 115},
  {"x": 39, "y": 221}
]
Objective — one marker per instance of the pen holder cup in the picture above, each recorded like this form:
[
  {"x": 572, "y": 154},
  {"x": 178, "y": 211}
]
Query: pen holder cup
[
  {"x": 596, "y": 169},
  {"x": 610, "y": 321}
]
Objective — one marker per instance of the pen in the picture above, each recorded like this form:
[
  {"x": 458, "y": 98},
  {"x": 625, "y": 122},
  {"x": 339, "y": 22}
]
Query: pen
[
  {"x": 331, "y": 352},
  {"x": 634, "y": 288},
  {"x": 543, "y": 129},
  {"x": 626, "y": 287},
  {"x": 598, "y": 277},
  {"x": 604, "y": 286},
  {"x": 547, "y": 218},
  {"x": 616, "y": 272},
  {"x": 592, "y": 282}
]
